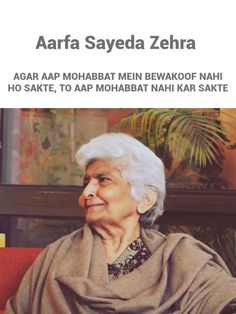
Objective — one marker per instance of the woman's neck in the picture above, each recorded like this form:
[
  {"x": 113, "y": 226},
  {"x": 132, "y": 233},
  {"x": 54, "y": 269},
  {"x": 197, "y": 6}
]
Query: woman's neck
[{"x": 117, "y": 238}]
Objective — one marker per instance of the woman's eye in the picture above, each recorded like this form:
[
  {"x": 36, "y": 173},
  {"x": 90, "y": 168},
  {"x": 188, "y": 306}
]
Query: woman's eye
[
  {"x": 104, "y": 180},
  {"x": 85, "y": 182}
]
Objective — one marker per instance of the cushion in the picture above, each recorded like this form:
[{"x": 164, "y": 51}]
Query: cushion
[{"x": 13, "y": 264}]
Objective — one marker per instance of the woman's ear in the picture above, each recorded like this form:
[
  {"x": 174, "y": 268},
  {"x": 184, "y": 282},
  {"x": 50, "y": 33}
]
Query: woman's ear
[{"x": 148, "y": 201}]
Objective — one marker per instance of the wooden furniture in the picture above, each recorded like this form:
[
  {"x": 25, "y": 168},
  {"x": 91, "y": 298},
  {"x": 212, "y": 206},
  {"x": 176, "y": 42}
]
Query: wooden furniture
[{"x": 183, "y": 207}]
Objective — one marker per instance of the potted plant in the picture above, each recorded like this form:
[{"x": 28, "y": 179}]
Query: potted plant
[{"x": 190, "y": 142}]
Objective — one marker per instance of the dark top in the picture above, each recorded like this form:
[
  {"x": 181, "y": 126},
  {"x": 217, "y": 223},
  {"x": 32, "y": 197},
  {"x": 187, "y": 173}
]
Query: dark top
[{"x": 132, "y": 257}]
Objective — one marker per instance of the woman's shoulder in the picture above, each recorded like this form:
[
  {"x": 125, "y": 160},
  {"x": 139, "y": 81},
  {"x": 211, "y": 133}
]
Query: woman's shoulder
[
  {"x": 63, "y": 244},
  {"x": 175, "y": 238},
  {"x": 154, "y": 234},
  {"x": 185, "y": 248},
  {"x": 69, "y": 238}
]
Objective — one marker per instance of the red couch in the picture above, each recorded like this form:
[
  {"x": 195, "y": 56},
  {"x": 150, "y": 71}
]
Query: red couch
[{"x": 13, "y": 264}]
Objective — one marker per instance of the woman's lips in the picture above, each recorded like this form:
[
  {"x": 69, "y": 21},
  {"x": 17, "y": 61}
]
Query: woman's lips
[{"x": 93, "y": 205}]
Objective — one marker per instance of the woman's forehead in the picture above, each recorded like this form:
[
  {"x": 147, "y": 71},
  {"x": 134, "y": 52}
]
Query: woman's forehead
[{"x": 102, "y": 166}]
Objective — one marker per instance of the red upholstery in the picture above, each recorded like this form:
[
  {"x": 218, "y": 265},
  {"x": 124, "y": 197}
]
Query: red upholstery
[{"x": 13, "y": 264}]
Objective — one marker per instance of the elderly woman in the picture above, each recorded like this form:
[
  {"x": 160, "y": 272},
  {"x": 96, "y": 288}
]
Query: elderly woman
[{"x": 117, "y": 263}]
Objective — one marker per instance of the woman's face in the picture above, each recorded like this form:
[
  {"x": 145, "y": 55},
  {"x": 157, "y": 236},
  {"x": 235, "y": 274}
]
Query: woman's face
[{"x": 106, "y": 198}]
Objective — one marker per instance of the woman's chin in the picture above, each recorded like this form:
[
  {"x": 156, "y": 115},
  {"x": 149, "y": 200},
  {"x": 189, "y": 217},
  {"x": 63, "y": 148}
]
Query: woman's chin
[{"x": 92, "y": 218}]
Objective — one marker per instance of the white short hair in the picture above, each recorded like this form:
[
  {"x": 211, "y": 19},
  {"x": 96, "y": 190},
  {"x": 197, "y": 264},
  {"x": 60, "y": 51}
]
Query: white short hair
[{"x": 139, "y": 166}]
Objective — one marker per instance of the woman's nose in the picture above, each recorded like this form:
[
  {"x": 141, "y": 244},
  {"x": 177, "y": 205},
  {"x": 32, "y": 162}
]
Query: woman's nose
[{"x": 90, "y": 190}]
